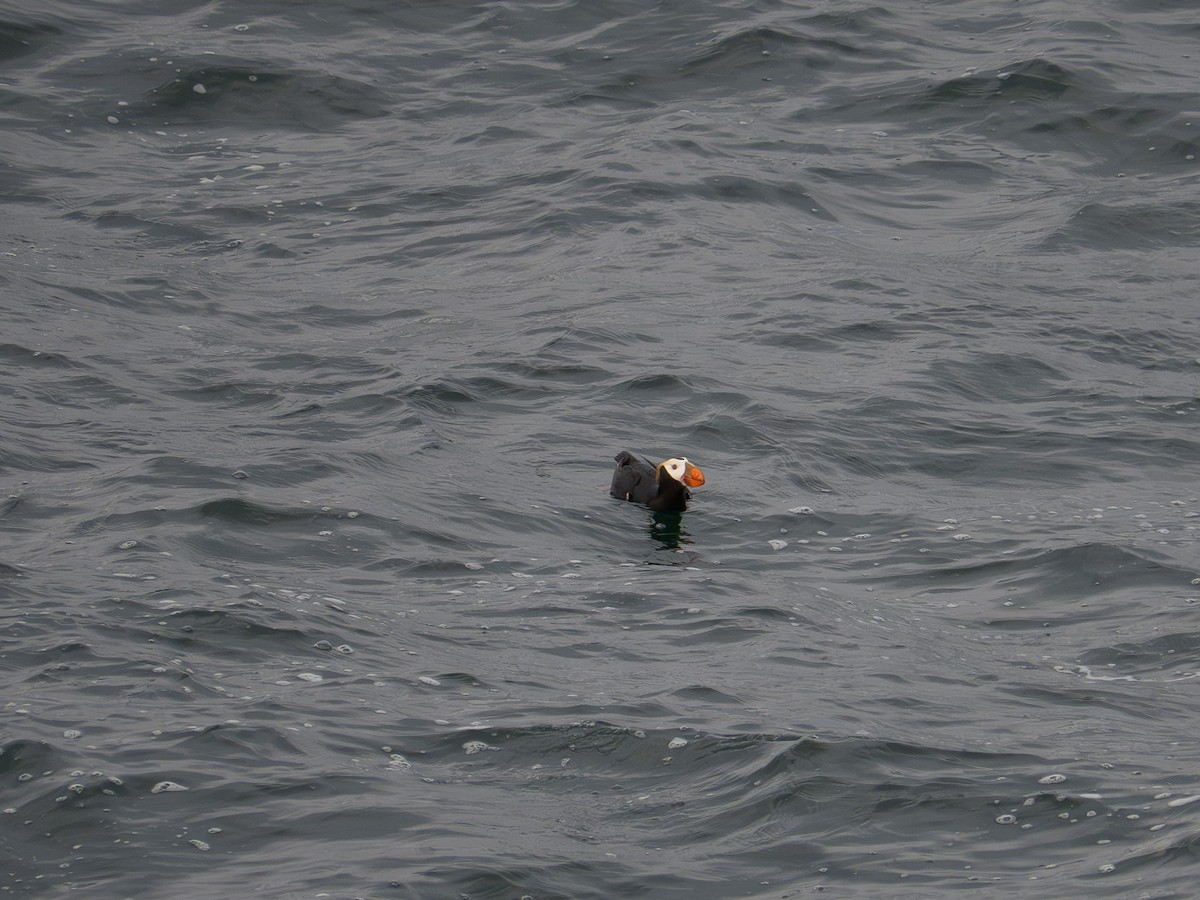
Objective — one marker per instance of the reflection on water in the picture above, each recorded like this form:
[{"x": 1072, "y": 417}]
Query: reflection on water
[{"x": 667, "y": 528}]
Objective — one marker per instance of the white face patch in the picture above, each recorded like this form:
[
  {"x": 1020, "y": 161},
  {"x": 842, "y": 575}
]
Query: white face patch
[{"x": 676, "y": 467}]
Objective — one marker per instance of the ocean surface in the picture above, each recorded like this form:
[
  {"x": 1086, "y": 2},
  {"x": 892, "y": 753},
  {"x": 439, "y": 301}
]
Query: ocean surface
[{"x": 320, "y": 326}]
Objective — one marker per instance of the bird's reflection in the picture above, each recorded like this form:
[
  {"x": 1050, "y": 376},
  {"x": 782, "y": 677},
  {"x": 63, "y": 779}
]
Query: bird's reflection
[{"x": 667, "y": 528}]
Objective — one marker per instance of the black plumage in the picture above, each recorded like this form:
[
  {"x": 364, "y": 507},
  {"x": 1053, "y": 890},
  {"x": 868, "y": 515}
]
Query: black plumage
[{"x": 638, "y": 481}]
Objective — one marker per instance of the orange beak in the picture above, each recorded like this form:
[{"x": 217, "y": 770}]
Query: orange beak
[{"x": 692, "y": 476}]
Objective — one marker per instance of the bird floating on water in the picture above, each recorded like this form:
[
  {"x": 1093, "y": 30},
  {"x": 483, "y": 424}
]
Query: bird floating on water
[{"x": 663, "y": 487}]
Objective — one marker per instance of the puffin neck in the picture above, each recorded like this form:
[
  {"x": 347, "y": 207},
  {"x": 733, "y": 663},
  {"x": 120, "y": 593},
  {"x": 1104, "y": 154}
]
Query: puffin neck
[{"x": 672, "y": 494}]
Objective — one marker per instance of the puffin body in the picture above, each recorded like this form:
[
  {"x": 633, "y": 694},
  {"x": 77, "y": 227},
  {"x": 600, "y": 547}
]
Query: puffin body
[{"x": 663, "y": 488}]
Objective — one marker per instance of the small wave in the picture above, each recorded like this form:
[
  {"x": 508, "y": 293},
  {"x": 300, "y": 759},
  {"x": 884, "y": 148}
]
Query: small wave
[
  {"x": 234, "y": 93},
  {"x": 1132, "y": 226}
]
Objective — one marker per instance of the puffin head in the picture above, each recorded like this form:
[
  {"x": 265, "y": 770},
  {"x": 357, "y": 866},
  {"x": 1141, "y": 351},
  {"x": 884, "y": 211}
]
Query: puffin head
[{"x": 682, "y": 471}]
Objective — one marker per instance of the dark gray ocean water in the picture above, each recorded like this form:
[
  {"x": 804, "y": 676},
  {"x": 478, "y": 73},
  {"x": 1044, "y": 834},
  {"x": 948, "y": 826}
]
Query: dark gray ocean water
[{"x": 320, "y": 325}]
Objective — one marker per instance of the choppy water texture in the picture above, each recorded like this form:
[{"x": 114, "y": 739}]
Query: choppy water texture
[{"x": 322, "y": 324}]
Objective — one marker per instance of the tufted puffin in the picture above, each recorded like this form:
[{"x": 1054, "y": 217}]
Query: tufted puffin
[{"x": 663, "y": 487}]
